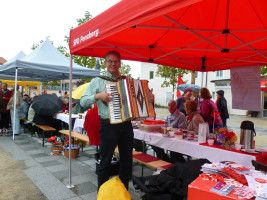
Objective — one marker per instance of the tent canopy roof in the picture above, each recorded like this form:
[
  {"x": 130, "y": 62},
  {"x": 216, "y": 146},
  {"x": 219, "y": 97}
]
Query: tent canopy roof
[
  {"x": 45, "y": 63},
  {"x": 200, "y": 35}
]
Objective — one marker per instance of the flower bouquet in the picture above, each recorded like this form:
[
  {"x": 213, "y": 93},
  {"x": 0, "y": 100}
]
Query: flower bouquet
[
  {"x": 188, "y": 120},
  {"x": 226, "y": 137},
  {"x": 56, "y": 145}
]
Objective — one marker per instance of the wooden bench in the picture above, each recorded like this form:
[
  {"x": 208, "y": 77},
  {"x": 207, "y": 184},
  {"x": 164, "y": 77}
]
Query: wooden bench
[
  {"x": 76, "y": 135},
  {"x": 45, "y": 129},
  {"x": 153, "y": 164},
  {"x": 24, "y": 122},
  {"x": 117, "y": 151}
]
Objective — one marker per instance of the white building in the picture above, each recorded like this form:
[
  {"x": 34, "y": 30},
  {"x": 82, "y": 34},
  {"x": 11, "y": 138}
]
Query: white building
[{"x": 214, "y": 81}]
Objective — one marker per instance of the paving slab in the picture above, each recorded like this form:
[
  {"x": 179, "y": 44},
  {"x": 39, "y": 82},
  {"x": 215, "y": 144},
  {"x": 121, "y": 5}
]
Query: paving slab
[{"x": 84, "y": 188}]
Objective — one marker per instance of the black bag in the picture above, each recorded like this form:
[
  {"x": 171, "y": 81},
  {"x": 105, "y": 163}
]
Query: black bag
[{"x": 114, "y": 166}]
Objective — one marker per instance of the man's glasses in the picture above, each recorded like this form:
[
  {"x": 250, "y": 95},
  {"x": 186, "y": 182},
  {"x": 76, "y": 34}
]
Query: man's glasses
[{"x": 113, "y": 61}]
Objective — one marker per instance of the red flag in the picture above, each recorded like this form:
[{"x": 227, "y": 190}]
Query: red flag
[
  {"x": 215, "y": 114},
  {"x": 180, "y": 82}
]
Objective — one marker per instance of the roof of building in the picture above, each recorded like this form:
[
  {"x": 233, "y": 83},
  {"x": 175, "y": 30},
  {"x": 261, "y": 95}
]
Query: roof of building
[{"x": 2, "y": 60}]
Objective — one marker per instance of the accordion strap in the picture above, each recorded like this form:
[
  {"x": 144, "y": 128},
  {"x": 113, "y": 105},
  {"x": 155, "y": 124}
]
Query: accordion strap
[
  {"x": 110, "y": 79},
  {"x": 107, "y": 78}
]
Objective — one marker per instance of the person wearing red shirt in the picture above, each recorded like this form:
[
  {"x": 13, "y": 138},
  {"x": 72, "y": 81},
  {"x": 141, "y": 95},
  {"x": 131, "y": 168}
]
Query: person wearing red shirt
[{"x": 4, "y": 123}]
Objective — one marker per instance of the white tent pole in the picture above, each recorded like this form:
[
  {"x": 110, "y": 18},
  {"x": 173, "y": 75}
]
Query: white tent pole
[
  {"x": 15, "y": 103},
  {"x": 61, "y": 88},
  {"x": 206, "y": 83},
  {"x": 70, "y": 121},
  {"x": 41, "y": 87},
  {"x": 202, "y": 77}
]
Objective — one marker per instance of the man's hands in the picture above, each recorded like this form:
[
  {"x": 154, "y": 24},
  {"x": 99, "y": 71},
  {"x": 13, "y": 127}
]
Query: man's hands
[{"x": 105, "y": 97}]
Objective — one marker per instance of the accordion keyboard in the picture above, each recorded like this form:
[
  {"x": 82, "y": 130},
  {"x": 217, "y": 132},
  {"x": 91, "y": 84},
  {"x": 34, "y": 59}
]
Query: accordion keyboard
[{"x": 114, "y": 104}]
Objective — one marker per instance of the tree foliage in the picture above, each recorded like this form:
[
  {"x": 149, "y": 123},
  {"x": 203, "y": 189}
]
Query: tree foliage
[
  {"x": 264, "y": 70},
  {"x": 84, "y": 61},
  {"x": 90, "y": 62},
  {"x": 170, "y": 75}
]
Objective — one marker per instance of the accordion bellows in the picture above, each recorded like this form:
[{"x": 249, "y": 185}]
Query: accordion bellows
[{"x": 130, "y": 101}]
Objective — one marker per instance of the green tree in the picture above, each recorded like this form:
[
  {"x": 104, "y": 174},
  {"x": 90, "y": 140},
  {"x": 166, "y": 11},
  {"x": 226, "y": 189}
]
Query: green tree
[
  {"x": 264, "y": 70},
  {"x": 90, "y": 62},
  {"x": 124, "y": 70},
  {"x": 170, "y": 75}
]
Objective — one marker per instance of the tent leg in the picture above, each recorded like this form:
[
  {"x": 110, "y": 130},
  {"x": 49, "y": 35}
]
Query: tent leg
[
  {"x": 202, "y": 79},
  {"x": 70, "y": 122},
  {"x": 15, "y": 103}
]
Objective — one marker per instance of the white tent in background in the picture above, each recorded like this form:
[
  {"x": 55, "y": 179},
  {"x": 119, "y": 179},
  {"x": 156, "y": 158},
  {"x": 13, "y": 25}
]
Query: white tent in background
[{"x": 45, "y": 63}]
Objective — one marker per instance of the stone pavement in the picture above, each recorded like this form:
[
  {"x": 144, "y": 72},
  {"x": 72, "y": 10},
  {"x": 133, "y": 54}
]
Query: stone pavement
[{"x": 51, "y": 173}]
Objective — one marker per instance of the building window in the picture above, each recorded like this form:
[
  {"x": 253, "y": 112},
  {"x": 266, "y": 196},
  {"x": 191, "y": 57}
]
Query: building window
[
  {"x": 219, "y": 74},
  {"x": 151, "y": 75},
  {"x": 213, "y": 95}
]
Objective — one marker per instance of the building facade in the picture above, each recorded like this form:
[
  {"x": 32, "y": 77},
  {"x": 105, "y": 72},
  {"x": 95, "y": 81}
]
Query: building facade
[{"x": 214, "y": 81}]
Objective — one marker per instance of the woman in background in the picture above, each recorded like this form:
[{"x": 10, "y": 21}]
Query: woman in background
[
  {"x": 188, "y": 92},
  {"x": 23, "y": 111},
  {"x": 10, "y": 106},
  {"x": 193, "y": 116},
  {"x": 208, "y": 108}
]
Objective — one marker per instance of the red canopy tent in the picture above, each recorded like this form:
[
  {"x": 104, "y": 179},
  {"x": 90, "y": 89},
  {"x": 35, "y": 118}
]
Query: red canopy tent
[{"x": 200, "y": 35}]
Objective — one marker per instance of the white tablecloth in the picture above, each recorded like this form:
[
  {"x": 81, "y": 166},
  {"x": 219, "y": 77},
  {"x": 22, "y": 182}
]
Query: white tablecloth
[
  {"x": 193, "y": 148},
  {"x": 64, "y": 117},
  {"x": 78, "y": 125}
]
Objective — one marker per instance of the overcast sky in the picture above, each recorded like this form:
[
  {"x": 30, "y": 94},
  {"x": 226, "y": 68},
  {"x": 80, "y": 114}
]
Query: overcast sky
[{"x": 26, "y": 22}]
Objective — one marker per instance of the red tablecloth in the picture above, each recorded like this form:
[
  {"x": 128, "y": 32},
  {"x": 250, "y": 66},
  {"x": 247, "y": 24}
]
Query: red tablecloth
[
  {"x": 262, "y": 157},
  {"x": 200, "y": 189}
]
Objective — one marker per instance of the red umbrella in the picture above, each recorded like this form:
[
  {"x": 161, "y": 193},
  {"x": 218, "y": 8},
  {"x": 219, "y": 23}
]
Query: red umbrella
[{"x": 198, "y": 35}]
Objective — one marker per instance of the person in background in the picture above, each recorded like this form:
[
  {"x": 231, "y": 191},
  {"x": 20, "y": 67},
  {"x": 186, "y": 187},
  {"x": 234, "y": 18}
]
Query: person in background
[
  {"x": 66, "y": 94},
  {"x": 196, "y": 96},
  {"x": 193, "y": 117},
  {"x": 111, "y": 135},
  {"x": 34, "y": 94},
  {"x": 4, "y": 123},
  {"x": 59, "y": 93},
  {"x": 2, "y": 106},
  {"x": 65, "y": 104},
  {"x": 31, "y": 111},
  {"x": 222, "y": 107},
  {"x": 188, "y": 92},
  {"x": 24, "y": 107},
  {"x": 208, "y": 108},
  {"x": 10, "y": 106},
  {"x": 175, "y": 119},
  {"x": 76, "y": 107}
]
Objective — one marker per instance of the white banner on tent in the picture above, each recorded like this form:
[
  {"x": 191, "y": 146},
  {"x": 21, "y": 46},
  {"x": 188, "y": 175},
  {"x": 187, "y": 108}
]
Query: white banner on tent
[{"x": 245, "y": 86}]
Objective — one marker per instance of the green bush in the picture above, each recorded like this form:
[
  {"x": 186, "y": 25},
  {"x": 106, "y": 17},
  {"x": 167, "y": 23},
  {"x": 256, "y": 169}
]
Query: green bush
[{"x": 160, "y": 106}]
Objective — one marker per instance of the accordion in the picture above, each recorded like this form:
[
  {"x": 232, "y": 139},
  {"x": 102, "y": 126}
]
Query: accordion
[{"x": 130, "y": 101}]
